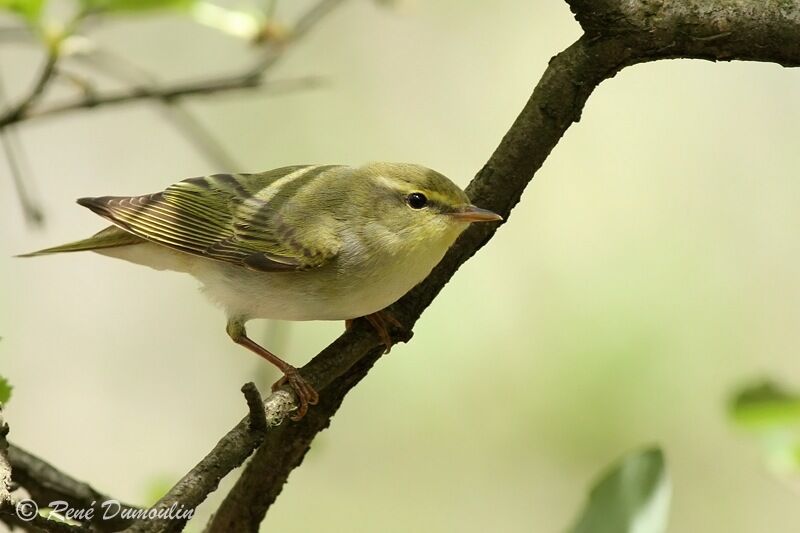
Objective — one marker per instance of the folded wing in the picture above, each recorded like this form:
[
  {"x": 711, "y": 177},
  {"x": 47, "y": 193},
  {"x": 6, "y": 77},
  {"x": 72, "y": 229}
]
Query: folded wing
[{"x": 235, "y": 218}]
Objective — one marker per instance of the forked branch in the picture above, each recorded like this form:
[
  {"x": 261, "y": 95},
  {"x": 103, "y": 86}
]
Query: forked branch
[{"x": 618, "y": 33}]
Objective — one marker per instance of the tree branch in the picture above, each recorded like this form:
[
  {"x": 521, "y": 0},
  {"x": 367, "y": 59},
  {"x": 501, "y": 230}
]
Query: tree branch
[
  {"x": 45, "y": 484},
  {"x": 5, "y": 465},
  {"x": 562, "y": 91},
  {"x": 119, "y": 68},
  {"x": 229, "y": 453},
  {"x": 16, "y": 513},
  {"x": 17, "y": 166},
  {"x": 618, "y": 34},
  {"x": 167, "y": 94},
  {"x": 17, "y": 112},
  {"x": 720, "y": 30},
  {"x": 554, "y": 105},
  {"x": 252, "y": 77},
  {"x": 257, "y": 420}
]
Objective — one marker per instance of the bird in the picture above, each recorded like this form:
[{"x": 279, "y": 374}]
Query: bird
[{"x": 303, "y": 242}]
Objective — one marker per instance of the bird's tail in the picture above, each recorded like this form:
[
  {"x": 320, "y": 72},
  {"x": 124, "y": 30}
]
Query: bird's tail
[{"x": 110, "y": 237}]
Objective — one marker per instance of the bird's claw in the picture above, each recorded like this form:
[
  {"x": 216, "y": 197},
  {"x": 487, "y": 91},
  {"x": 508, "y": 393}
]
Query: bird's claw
[
  {"x": 306, "y": 395},
  {"x": 382, "y": 322}
]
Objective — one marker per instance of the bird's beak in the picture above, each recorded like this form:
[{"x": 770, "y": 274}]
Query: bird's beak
[{"x": 471, "y": 213}]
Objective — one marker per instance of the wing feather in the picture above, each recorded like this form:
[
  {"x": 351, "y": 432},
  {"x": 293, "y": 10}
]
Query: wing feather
[{"x": 234, "y": 218}]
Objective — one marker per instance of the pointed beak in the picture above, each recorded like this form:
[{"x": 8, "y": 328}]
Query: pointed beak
[{"x": 471, "y": 213}]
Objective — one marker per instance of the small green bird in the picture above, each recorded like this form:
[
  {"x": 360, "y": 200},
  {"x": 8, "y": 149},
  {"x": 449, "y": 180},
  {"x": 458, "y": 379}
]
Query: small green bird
[{"x": 306, "y": 242}]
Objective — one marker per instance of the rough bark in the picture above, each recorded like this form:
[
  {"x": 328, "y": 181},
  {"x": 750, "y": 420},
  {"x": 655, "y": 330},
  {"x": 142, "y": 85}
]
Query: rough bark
[{"x": 618, "y": 33}]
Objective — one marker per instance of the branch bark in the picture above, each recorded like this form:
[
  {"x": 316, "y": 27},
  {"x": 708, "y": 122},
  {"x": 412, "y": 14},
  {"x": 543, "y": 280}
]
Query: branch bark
[
  {"x": 718, "y": 30},
  {"x": 556, "y": 102},
  {"x": 45, "y": 484},
  {"x": 19, "y": 513},
  {"x": 618, "y": 33}
]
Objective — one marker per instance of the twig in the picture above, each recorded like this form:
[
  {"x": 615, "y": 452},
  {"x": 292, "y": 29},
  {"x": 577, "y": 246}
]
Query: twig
[
  {"x": 205, "y": 143},
  {"x": 258, "y": 415},
  {"x": 252, "y": 77},
  {"x": 312, "y": 17},
  {"x": 45, "y": 484},
  {"x": 5, "y": 465},
  {"x": 16, "y": 112},
  {"x": 38, "y": 523},
  {"x": 204, "y": 87},
  {"x": 15, "y": 159},
  {"x": 17, "y": 166},
  {"x": 229, "y": 453},
  {"x": 120, "y": 69},
  {"x": 299, "y": 31},
  {"x": 21, "y": 513}
]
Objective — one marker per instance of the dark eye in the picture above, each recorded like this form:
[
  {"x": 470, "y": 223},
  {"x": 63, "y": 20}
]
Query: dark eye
[{"x": 416, "y": 200}]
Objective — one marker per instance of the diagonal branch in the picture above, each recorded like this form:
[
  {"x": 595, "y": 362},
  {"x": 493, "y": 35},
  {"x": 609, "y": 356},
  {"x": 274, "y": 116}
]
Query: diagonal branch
[
  {"x": 619, "y": 33},
  {"x": 229, "y": 453},
  {"x": 45, "y": 484},
  {"x": 613, "y": 41},
  {"x": 21, "y": 513},
  {"x": 17, "y": 112},
  {"x": 562, "y": 92},
  {"x": 18, "y": 167}
]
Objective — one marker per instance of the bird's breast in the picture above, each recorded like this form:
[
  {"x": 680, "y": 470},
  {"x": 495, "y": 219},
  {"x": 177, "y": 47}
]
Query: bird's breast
[{"x": 356, "y": 283}]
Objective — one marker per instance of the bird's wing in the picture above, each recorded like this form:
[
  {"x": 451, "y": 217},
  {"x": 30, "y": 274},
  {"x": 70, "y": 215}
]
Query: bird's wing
[{"x": 235, "y": 218}]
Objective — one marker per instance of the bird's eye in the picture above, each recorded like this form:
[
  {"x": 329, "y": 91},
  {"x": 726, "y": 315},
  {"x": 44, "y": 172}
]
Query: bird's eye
[{"x": 416, "y": 200}]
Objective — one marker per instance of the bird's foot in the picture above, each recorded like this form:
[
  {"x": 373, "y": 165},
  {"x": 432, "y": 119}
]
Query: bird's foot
[
  {"x": 382, "y": 322},
  {"x": 306, "y": 395}
]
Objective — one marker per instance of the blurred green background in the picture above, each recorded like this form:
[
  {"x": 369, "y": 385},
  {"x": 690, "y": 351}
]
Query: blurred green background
[{"x": 650, "y": 269}]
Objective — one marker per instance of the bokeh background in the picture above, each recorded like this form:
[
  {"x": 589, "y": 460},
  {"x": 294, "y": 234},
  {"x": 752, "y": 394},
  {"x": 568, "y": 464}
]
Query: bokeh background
[{"x": 650, "y": 269}]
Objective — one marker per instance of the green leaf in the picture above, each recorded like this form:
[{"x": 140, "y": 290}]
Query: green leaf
[
  {"x": 134, "y": 5},
  {"x": 765, "y": 404},
  {"x": 631, "y": 497},
  {"x": 5, "y": 390},
  {"x": 30, "y": 10},
  {"x": 772, "y": 413}
]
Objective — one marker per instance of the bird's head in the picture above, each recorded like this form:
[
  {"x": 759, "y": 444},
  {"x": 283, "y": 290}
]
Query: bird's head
[{"x": 417, "y": 204}]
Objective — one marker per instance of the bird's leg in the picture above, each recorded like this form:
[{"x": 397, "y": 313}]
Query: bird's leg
[
  {"x": 382, "y": 322},
  {"x": 306, "y": 395}
]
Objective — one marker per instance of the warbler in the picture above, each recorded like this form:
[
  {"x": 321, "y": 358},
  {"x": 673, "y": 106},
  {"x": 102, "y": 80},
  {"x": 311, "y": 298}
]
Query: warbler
[{"x": 306, "y": 242}]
